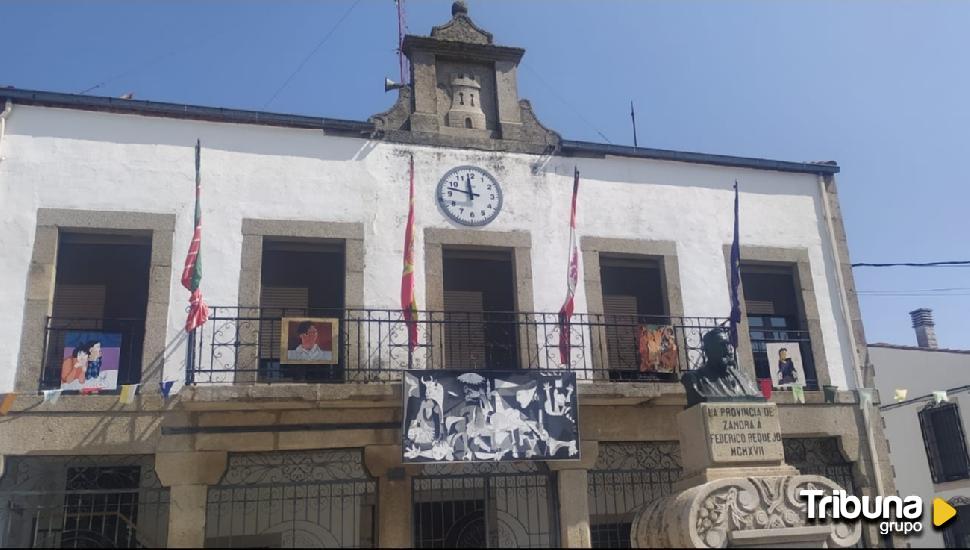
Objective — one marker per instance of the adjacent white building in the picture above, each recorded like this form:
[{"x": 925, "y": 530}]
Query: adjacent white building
[{"x": 927, "y": 437}]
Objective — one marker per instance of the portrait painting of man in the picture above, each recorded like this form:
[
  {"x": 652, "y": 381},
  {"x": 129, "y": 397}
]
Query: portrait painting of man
[{"x": 309, "y": 341}]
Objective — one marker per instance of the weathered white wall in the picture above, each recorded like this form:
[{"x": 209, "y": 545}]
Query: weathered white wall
[
  {"x": 921, "y": 372},
  {"x": 58, "y": 158}
]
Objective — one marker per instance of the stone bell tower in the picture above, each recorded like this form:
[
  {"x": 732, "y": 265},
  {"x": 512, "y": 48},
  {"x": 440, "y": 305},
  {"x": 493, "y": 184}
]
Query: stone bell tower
[
  {"x": 465, "y": 112},
  {"x": 463, "y": 93}
]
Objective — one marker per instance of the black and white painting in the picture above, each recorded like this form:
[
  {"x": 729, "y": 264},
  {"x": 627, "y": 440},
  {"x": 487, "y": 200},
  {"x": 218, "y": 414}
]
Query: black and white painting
[{"x": 453, "y": 416}]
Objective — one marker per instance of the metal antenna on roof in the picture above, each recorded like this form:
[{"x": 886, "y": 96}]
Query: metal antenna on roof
[
  {"x": 401, "y": 29},
  {"x": 633, "y": 118}
]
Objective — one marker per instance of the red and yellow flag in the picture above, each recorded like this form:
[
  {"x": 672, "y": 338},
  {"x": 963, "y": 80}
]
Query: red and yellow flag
[
  {"x": 572, "y": 277},
  {"x": 409, "y": 302},
  {"x": 192, "y": 273}
]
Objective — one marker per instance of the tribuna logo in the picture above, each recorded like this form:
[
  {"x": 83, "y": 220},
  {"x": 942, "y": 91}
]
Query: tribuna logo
[{"x": 894, "y": 514}]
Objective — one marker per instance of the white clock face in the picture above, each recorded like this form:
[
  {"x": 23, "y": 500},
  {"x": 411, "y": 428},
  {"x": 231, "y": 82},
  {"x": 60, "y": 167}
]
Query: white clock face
[{"x": 469, "y": 195}]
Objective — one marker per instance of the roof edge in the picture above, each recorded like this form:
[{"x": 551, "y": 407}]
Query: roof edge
[
  {"x": 358, "y": 128},
  {"x": 588, "y": 147},
  {"x": 182, "y": 111},
  {"x": 916, "y": 348}
]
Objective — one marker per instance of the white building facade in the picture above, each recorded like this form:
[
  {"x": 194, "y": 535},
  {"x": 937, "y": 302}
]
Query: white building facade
[{"x": 305, "y": 217}]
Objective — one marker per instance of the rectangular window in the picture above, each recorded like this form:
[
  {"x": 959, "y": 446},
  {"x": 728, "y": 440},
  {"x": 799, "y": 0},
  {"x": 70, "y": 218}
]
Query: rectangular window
[
  {"x": 299, "y": 278},
  {"x": 633, "y": 297},
  {"x": 946, "y": 444},
  {"x": 774, "y": 315},
  {"x": 480, "y": 323},
  {"x": 96, "y": 331}
]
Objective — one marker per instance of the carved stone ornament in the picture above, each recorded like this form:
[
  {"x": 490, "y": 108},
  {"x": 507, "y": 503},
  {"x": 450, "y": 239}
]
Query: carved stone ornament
[
  {"x": 709, "y": 515},
  {"x": 461, "y": 28}
]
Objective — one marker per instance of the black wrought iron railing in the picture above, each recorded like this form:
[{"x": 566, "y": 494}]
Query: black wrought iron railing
[
  {"x": 766, "y": 364},
  {"x": 112, "y": 356},
  {"x": 247, "y": 345}
]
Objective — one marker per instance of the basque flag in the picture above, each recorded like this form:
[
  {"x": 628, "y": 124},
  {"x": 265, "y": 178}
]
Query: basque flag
[
  {"x": 572, "y": 276},
  {"x": 192, "y": 274},
  {"x": 409, "y": 303},
  {"x": 735, "y": 274}
]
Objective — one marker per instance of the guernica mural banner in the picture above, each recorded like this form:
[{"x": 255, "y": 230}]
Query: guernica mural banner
[{"x": 453, "y": 416}]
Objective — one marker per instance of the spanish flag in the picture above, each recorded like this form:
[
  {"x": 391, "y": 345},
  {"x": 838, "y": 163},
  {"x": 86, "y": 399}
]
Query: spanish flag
[{"x": 409, "y": 303}]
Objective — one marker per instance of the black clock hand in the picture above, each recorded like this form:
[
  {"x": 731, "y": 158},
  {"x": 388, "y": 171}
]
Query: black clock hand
[{"x": 468, "y": 182}]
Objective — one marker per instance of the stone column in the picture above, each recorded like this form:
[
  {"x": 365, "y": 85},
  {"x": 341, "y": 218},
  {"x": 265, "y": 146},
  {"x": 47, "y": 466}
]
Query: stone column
[
  {"x": 573, "y": 485},
  {"x": 394, "y": 512},
  {"x": 188, "y": 474}
]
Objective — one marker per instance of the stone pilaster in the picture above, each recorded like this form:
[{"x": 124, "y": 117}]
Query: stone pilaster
[
  {"x": 573, "y": 485},
  {"x": 188, "y": 475},
  {"x": 394, "y": 494}
]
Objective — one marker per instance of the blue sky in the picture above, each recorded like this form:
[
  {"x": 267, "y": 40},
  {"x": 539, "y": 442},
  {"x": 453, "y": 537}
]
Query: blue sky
[{"x": 881, "y": 87}]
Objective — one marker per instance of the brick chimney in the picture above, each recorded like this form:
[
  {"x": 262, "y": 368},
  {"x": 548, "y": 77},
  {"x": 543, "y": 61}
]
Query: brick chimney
[{"x": 923, "y": 323}]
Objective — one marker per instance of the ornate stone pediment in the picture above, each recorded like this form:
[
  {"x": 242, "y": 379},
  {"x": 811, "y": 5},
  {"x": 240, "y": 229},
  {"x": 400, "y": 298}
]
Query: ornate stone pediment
[
  {"x": 463, "y": 93},
  {"x": 765, "y": 508},
  {"x": 461, "y": 28}
]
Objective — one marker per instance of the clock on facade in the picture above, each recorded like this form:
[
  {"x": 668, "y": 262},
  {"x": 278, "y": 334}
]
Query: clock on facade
[{"x": 469, "y": 195}]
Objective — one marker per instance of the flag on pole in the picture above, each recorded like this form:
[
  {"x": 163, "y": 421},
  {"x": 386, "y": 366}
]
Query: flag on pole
[
  {"x": 798, "y": 392},
  {"x": 192, "y": 273},
  {"x": 572, "y": 277},
  {"x": 940, "y": 397},
  {"x": 51, "y": 396},
  {"x": 409, "y": 302},
  {"x": 127, "y": 396},
  {"x": 7, "y": 403},
  {"x": 735, "y": 274}
]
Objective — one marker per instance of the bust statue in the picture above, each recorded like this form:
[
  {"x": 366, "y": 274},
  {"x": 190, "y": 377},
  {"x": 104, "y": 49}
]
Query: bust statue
[{"x": 719, "y": 379}]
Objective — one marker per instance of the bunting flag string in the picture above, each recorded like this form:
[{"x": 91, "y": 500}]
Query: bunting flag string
[
  {"x": 128, "y": 392},
  {"x": 866, "y": 397},
  {"x": 52, "y": 396},
  {"x": 765, "y": 384},
  {"x": 7, "y": 403},
  {"x": 940, "y": 397},
  {"x": 900, "y": 394},
  {"x": 166, "y": 388},
  {"x": 798, "y": 392}
]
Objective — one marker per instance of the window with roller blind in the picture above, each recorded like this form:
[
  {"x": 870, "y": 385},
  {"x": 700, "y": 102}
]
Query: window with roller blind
[
  {"x": 100, "y": 286},
  {"x": 774, "y": 314},
  {"x": 633, "y": 296},
  {"x": 480, "y": 323},
  {"x": 299, "y": 278}
]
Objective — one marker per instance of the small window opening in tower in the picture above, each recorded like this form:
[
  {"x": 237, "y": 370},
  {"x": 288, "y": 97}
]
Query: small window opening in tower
[
  {"x": 472, "y": 96},
  {"x": 468, "y": 122},
  {"x": 461, "y": 98}
]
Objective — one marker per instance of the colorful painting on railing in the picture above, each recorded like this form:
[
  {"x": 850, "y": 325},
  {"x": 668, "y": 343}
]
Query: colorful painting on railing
[
  {"x": 309, "y": 341},
  {"x": 90, "y": 361},
  {"x": 658, "y": 349},
  {"x": 454, "y": 416},
  {"x": 786, "y": 360}
]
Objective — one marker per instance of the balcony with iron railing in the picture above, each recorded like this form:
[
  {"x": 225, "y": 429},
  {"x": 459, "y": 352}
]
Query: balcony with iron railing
[
  {"x": 117, "y": 362},
  {"x": 244, "y": 345}
]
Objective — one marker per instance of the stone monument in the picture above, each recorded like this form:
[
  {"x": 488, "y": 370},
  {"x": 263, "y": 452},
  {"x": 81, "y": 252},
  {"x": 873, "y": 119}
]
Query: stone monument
[{"x": 736, "y": 490}]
